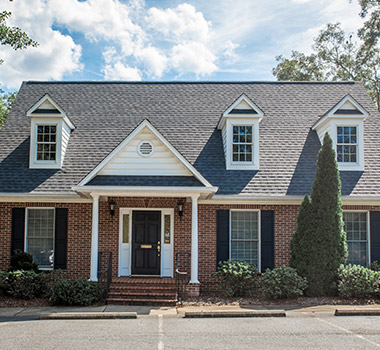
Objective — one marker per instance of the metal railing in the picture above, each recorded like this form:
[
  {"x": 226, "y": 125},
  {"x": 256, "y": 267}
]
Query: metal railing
[
  {"x": 182, "y": 272},
  {"x": 104, "y": 272}
]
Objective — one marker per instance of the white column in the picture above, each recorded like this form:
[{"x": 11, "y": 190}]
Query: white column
[
  {"x": 194, "y": 239},
  {"x": 94, "y": 238}
]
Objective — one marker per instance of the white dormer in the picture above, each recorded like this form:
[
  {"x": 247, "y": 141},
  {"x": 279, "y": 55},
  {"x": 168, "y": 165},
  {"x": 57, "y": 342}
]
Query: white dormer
[
  {"x": 240, "y": 131},
  {"x": 49, "y": 134},
  {"x": 344, "y": 123}
]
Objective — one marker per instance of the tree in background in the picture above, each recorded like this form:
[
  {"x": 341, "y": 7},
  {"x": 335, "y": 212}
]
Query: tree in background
[
  {"x": 340, "y": 56},
  {"x": 319, "y": 245},
  {"x": 6, "y": 102},
  {"x": 17, "y": 39}
]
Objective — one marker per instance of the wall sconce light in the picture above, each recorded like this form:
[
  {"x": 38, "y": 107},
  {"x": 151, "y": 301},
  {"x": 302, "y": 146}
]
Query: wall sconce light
[
  {"x": 112, "y": 208},
  {"x": 180, "y": 208}
]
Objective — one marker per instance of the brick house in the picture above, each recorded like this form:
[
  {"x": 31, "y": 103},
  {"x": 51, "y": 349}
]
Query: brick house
[{"x": 150, "y": 171}]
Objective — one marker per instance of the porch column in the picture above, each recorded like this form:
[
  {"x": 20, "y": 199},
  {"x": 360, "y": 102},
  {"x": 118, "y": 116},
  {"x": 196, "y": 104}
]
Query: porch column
[
  {"x": 194, "y": 239},
  {"x": 94, "y": 238}
]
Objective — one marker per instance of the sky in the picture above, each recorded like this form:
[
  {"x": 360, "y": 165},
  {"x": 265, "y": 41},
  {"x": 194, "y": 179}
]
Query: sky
[{"x": 164, "y": 40}]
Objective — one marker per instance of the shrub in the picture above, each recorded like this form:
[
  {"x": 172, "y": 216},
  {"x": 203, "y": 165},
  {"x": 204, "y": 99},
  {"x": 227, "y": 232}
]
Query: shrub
[
  {"x": 74, "y": 292},
  {"x": 21, "y": 260},
  {"x": 282, "y": 282},
  {"x": 375, "y": 266},
  {"x": 3, "y": 281},
  {"x": 236, "y": 278},
  {"x": 358, "y": 281},
  {"x": 26, "y": 284}
]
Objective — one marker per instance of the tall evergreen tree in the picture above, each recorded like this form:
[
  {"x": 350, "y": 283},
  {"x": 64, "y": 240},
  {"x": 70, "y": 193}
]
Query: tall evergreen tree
[{"x": 319, "y": 250}]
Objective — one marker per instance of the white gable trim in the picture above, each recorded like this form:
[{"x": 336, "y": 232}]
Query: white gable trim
[
  {"x": 244, "y": 98},
  {"x": 61, "y": 114},
  {"x": 130, "y": 137},
  {"x": 330, "y": 114}
]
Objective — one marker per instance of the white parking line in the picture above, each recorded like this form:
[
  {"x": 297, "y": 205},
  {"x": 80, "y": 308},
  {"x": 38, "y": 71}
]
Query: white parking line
[
  {"x": 347, "y": 331},
  {"x": 160, "y": 332}
]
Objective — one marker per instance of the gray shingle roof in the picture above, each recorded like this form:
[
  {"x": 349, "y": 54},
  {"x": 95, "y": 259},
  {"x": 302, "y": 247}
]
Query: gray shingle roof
[
  {"x": 187, "y": 115},
  {"x": 166, "y": 181}
]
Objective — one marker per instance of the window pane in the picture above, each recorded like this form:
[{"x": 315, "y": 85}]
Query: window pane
[
  {"x": 355, "y": 226},
  {"x": 347, "y": 144},
  {"x": 244, "y": 236},
  {"x": 46, "y": 142},
  {"x": 167, "y": 229},
  {"x": 126, "y": 228},
  {"x": 40, "y": 236},
  {"x": 242, "y": 143}
]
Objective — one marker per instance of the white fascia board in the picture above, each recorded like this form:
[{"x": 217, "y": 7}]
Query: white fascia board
[
  {"x": 226, "y": 113},
  {"x": 152, "y": 189},
  {"x": 131, "y": 136},
  {"x": 330, "y": 114},
  {"x": 43, "y": 197}
]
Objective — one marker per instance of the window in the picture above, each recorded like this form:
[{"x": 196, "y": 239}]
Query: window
[
  {"x": 46, "y": 142},
  {"x": 40, "y": 236},
  {"x": 355, "y": 225},
  {"x": 242, "y": 143},
  {"x": 347, "y": 144},
  {"x": 245, "y": 237}
]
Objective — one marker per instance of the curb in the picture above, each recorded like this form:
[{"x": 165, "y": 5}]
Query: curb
[
  {"x": 235, "y": 313},
  {"x": 357, "y": 312},
  {"x": 87, "y": 315}
]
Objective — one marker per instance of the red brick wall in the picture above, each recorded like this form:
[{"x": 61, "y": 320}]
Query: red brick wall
[
  {"x": 79, "y": 231},
  {"x": 79, "y": 234}
]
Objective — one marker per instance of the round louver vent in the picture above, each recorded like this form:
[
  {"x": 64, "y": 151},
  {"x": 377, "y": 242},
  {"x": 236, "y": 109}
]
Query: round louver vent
[{"x": 145, "y": 148}]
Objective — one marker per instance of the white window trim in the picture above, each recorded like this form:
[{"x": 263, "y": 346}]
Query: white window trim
[
  {"x": 368, "y": 231},
  {"x": 254, "y": 164},
  {"x": 359, "y": 164},
  {"x": 45, "y": 164},
  {"x": 259, "y": 233},
  {"x": 26, "y": 232}
]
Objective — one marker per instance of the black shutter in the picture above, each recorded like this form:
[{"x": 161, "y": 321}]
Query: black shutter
[
  {"x": 375, "y": 236},
  {"x": 60, "y": 249},
  {"x": 222, "y": 235},
  {"x": 267, "y": 240},
  {"x": 18, "y": 229}
]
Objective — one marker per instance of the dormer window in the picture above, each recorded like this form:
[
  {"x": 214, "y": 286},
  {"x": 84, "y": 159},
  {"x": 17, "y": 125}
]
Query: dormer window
[
  {"x": 50, "y": 134},
  {"x": 242, "y": 145},
  {"x": 347, "y": 144},
  {"x": 240, "y": 131},
  {"x": 46, "y": 142},
  {"x": 344, "y": 123}
]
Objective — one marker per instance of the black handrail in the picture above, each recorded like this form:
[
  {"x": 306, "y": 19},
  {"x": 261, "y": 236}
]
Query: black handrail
[
  {"x": 104, "y": 273},
  {"x": 182, "y": 274}
]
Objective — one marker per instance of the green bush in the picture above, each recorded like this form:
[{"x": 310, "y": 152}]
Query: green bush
[
  {"x": 21, "y": 260},
  {"x": 358, "y": 281},
  {"x": 375, "y": 266},
  {"x": 74, "y": 292},
  {"x": 3, "y": 281},
  {"x": 282, "y": 282},
  {"x": 236, "y": 278},
  {"x": 26, "y": 284}
]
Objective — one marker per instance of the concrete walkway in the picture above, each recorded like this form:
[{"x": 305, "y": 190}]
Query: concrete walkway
[{"x": 7, "y": 314}]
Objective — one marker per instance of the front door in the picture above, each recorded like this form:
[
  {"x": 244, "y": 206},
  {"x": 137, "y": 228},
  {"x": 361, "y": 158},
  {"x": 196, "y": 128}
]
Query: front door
[{"x": 146, "y": 245}]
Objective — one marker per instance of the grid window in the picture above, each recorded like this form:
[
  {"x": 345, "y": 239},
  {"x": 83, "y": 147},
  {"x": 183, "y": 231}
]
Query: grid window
[
  {"x": 46, "y": 142},
  {"x": 242, "y": 145},
  {"x": 40, "y": 236},
  {"x": 355, "y": 225},
  {"x": 245, "y": 237},
  {"x": 347, "y": 144}
]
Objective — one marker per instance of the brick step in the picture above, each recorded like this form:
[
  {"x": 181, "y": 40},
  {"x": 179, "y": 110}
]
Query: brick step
[
  {"x": 146, "y": 295},
  {"x": 141, "y": 301},
  {"x": 142, "y": 288},
  {"x": 142, "y": 282}
]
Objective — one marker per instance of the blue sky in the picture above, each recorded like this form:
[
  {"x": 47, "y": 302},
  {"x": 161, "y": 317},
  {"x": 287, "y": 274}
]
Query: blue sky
[{"x": 164, "y": 40}]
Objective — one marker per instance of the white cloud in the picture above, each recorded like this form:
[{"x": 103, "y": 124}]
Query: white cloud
[
  {"x": 56, "y": 55},
  {"x": 115, "y": 69}
]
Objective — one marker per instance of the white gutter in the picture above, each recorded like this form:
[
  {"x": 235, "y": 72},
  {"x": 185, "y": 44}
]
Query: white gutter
[{"x": 51, "y": 197}]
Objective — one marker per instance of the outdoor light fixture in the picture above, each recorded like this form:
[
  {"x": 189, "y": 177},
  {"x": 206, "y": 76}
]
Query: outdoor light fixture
[
  {"x": 180, "y": 208},
  {"x": 112, "y": 208}
]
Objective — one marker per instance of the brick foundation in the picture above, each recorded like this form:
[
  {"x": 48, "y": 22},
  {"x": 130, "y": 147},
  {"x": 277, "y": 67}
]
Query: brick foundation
[{"x": 79, "y": 232}]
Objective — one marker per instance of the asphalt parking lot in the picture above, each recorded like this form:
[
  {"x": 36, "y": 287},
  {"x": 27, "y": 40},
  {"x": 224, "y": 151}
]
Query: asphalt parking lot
[{"x": 299, "y": 330}]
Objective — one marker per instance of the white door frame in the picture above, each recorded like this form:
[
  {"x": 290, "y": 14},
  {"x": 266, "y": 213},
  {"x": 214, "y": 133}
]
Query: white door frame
[{"x": 167, "y": 261}]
